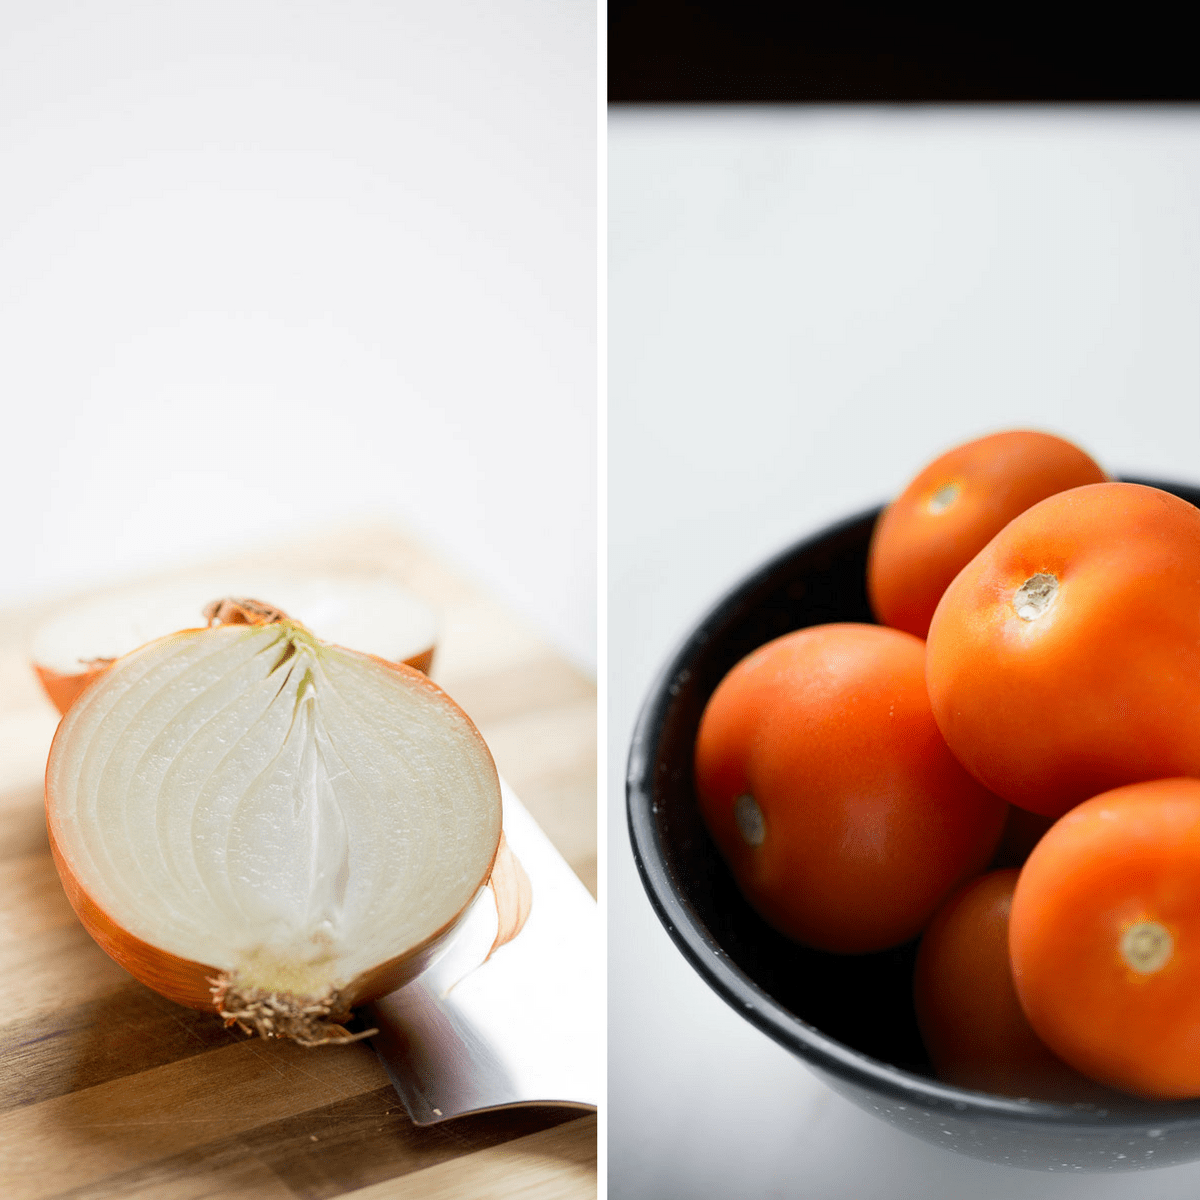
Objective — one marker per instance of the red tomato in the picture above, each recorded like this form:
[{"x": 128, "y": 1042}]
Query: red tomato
[
  {"x": 1105, "y": 938},
  {"x": 971, "y": 1021},
  {"x": 1064, "y": 659},
  {"x": 953, "y": 508},
  {"x": 827, "y": 787}
]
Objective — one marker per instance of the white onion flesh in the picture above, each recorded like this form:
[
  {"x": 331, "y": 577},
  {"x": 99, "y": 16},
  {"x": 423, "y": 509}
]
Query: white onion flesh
[
  {"x": 372, "y": 614},
  {"x": 287, "y": 812}
]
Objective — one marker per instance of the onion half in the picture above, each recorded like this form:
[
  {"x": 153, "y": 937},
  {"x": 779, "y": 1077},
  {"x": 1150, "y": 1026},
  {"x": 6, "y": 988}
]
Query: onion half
[
  {"x": 255, "y": 822},
  {"x": 375, "y": 615}
]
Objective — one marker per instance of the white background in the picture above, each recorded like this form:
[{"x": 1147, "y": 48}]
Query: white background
[
  {"x": 805, "y": 307},
  {"x": 277, "y": 265}
]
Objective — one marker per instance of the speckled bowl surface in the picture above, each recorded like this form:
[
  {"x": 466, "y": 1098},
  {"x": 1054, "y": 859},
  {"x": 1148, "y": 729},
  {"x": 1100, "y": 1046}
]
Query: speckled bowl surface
[{"x": 850, "y": 1018}]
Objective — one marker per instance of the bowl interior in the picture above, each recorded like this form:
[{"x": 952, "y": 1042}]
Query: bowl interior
[{"x": 850, "y": 1015}]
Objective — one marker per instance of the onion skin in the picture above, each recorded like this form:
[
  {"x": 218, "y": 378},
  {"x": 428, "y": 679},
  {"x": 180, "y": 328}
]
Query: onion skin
[
  {"x": 421, "y": 662},
  {"x": 513, "y": 894},
  {"x": 63, "y": 689},
  {"x": 197, "y": 985}
]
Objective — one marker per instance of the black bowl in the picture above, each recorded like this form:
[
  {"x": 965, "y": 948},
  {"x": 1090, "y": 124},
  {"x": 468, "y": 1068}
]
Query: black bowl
[{"x": 849, "y": 1017}]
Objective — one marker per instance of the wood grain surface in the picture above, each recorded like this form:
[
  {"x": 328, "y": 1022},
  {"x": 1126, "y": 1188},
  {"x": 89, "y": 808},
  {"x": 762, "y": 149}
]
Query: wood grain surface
[{"x": 107, "y": 1090}]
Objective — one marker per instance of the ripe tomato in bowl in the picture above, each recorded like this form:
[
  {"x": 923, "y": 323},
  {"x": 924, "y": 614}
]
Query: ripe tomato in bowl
[
  {"x": 974, "y": 1027},
  {"x": 954, "y": 507},
  {"x": 850, "y": 1018},
  {"x": 1105, "y": 938},
  {"x": 1064, "y": 659},
  {"x": 825, "y": 782}
]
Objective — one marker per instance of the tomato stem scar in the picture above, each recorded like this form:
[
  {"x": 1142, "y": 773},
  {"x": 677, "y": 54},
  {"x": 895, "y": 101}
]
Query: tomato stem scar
[
  {"x": 1147, "y": 946},
  {"x": 749, "y": 820},
  {"x": 1035, "y": 596},
  {"x": 945, "y": 496}
]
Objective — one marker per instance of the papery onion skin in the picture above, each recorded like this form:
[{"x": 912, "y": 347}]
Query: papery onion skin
[
  {"x": 513, "y": 893},
  {"x": 63, "y": 690},
  {"x": 198, "y": 985},
  {"x": 421, "y": 662}
]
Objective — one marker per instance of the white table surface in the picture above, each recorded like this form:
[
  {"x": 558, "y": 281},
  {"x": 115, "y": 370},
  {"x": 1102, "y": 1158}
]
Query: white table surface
[{"x": 805, "y": 307}]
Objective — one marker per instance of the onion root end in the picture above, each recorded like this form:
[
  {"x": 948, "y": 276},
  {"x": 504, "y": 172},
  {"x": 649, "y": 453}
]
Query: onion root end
[{"x": 307, "y": 1020}]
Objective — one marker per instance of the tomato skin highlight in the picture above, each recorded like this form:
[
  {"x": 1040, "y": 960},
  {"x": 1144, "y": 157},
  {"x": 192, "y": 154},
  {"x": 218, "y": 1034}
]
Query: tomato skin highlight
[
  {"x": 1101, "y": 689},
  {"x": 1119, "y": 860},
  {"x": 953, "y": 508},
  {"x": 866, "y": 820},
  {"x": 970, "y": 1018}
]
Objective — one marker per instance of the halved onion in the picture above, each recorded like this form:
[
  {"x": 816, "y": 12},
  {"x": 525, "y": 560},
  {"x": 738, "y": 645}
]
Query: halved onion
[
  {"x": 371, "y": 614},
  {"x": 257, "y": 822}
]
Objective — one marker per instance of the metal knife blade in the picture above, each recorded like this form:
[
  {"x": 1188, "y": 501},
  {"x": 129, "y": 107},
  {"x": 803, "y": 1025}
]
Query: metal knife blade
[{"x": 521, "y": 1029}]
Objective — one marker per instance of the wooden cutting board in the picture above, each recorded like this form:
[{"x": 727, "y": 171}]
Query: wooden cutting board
[{"x": 108, "y": 1090}]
